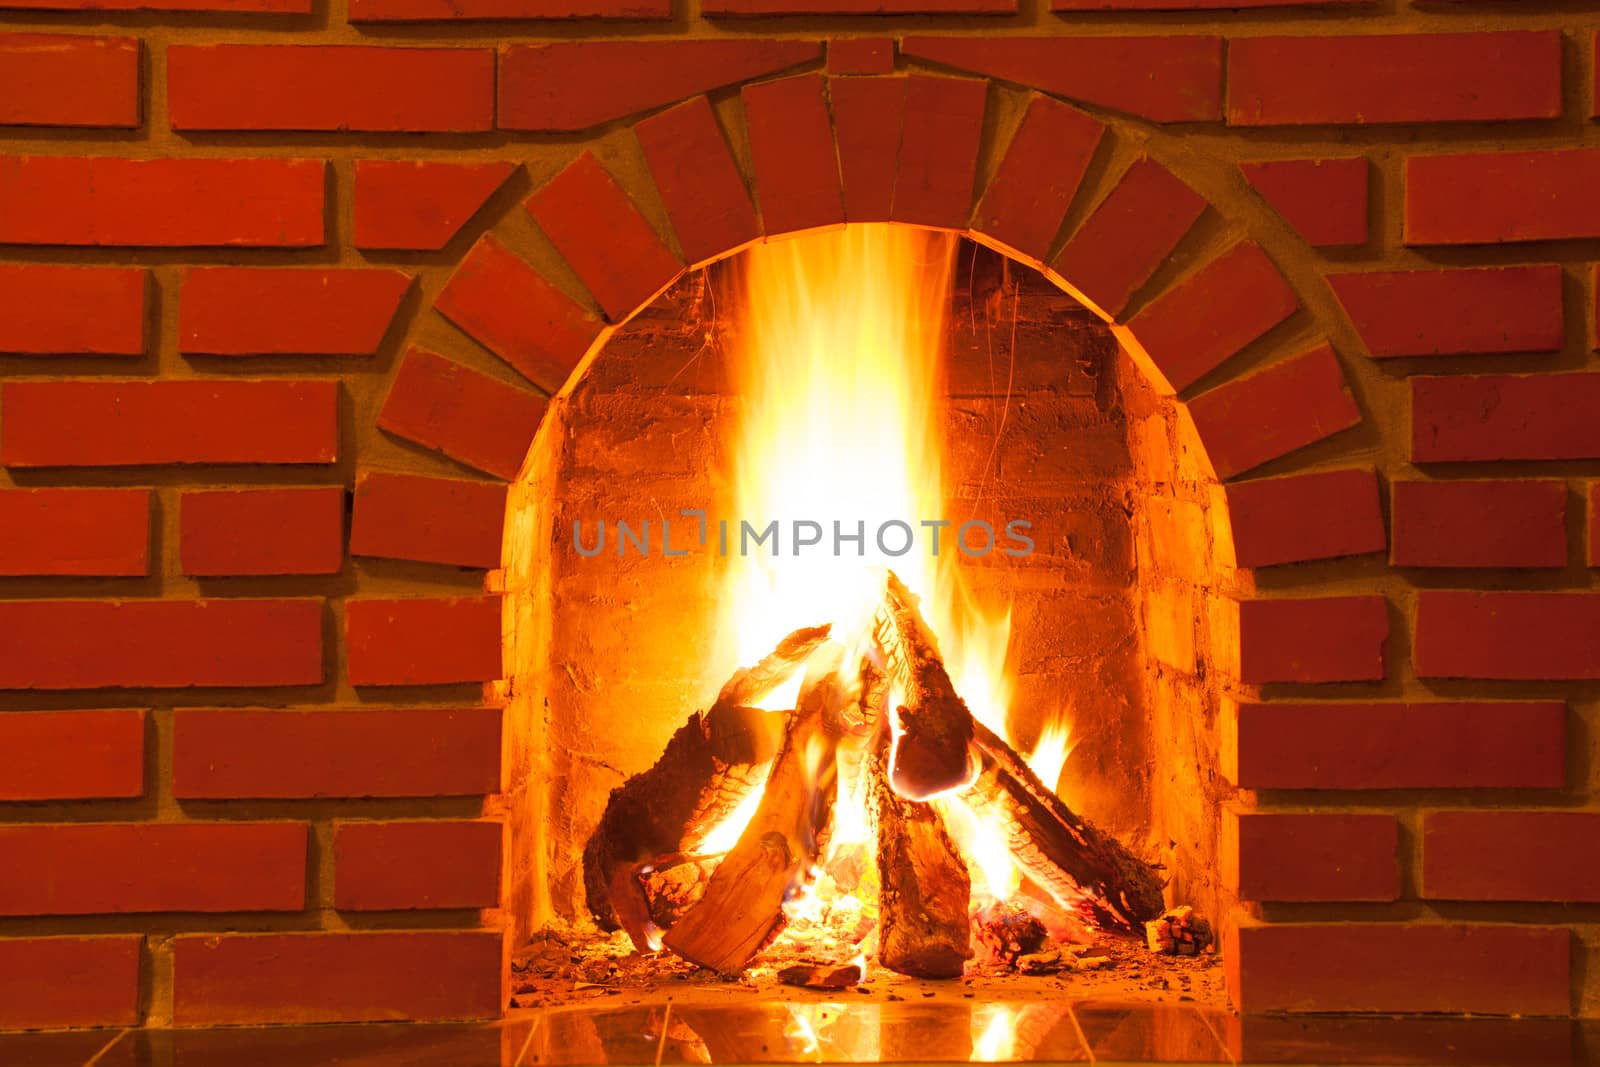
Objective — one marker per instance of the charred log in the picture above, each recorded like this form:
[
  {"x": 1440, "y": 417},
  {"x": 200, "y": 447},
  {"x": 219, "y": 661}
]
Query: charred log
[
  {"x": 742, "y": 909},
  {"x": 924, "y": 887},
  {"x": 1080, "y": 867},
  {"x": 707, "y": 768},
  {"x": 933, "y": 751}
]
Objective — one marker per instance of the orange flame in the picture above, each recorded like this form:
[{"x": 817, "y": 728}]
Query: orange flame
[{"x": 838, "y": 366}]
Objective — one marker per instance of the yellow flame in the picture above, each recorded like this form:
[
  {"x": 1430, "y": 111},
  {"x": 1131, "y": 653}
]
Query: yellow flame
[
  {"x": 726, "y": 833},
  {"x": 839, "y": 368},
  {"x": 1050, "y": 752},
  {"x": 996, "y": 1043}
]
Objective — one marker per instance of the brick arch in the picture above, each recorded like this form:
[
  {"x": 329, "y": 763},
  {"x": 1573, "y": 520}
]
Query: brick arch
[
  {"x": 824, "y": 150},
  {"x": 1069, "y": 194}
]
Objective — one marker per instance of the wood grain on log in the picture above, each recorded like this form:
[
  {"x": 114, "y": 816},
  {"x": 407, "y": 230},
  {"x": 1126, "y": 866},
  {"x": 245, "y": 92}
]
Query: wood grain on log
[
  {"x": 1063, "y": 853},
  {"x": 932, "y": 753},
  {"x": 924, "y": 887},
  {"x": 742, "y": 909},
  {"x": 710, "y": 764}
]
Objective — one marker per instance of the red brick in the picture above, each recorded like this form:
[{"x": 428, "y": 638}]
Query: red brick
[
  {"x": 71, "y": 755},
  {"x": 1312, "y": 639},
  {"x": 49, "y": 79},
  {"x": 229, "y": 979},
  {"x": 1396, "y": 1038},
  {"x": 861, "y": 55},
  {"x": 468, "y": 416},
  {"x": 577, "y": 84},
  {"x": 1112, "y": 72},
  {"x": 867, "y": 116},
  {"x": 432, "y": 520},
  {"x": 409, "y": 204},
  {"x": 700, "y": 184},
  {"x": 432, "y": 10},
  {"x": 1480, "y": 524},
  {"x": 384, "y": 866},
  {"x": 1130, "y": 234},
  {"x": 1321, "y": 515},
  {"x": 245, "y": 311},
  {"x": 102, "y": 532},
  {"x": 1498, "y": 197},
  {"x": 599, "y": 231},
  {"x": 1424, "y": 77},
  {"x": 336, "y": 752},
  {"x": 119, "y": 868},
  {"x": 52, "y": 982},
  {"x": 1464, "y": 634},
  {"x": 1325, "y": 200},
  {"x": 1292, "y": 403},
  {"x": 1432, "y": 745},
  {"x": 1511, "y": 855},
  {"x": 858, "y": 7},
  {"x": 1039, "y": 176},
  {"x": 939, "y": 143},
  {"x": 136, "y": 423},
  {"x": 1400, "y": 967},
  {"x": 1503, "y": 416},
  {"x": 329, "y": 87},
  {"x": 422, "y": 641},
  {"x": 792, "y": 150},
  {"x": 514, "y": 312},
  {"x": 274, "y": 7},
  {"x": 1305, "y": 857},
  {"x": 1189, "y": 330},
  {"x": 72, "y": 310},
  {"x": 161, "y": 203},
  {"x": 1451, "y": 312},
  {"x": 159, "y": 643},
  {"x": 262, "y": 531}
]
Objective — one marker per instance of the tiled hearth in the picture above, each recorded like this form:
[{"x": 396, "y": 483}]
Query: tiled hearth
[{"x": 1097, "y": 1033}]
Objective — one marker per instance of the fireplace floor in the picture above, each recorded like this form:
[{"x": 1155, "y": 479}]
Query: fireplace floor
[
  {"x": 559, "y": 968},
  {"x": 1084, "y": 1032}
]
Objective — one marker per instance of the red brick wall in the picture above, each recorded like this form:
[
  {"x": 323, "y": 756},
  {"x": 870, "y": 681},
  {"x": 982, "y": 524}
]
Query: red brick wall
[{"x": 259, "y": 254}]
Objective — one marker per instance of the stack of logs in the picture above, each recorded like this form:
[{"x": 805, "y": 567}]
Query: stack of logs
[{"x": 646, "y": 871}]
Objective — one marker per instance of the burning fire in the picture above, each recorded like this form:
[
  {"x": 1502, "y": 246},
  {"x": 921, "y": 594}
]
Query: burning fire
[{"x": 839, "y": 364}]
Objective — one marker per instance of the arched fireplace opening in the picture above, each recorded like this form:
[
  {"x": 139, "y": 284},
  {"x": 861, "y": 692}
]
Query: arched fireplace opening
[{"x": 1117, "y": 630}]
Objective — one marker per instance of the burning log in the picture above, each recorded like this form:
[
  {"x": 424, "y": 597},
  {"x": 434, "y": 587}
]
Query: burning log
[
  {"x": 673, "y": 884},
  {"x": 1078, "y": 865},
  {"x": 1063, "y": 853},
  {"x": 932, "y": 752},
  {"x": 742, "y": 909},
  {"x": 708, "y": 766},
  {"x": 924, "y": 887}
]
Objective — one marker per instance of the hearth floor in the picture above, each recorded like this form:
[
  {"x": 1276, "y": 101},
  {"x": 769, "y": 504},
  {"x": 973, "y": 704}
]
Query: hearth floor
[{"x": 1080, "y": 1032}]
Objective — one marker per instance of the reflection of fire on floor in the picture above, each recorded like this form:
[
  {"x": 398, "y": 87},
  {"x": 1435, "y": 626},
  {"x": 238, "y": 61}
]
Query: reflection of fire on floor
[{"x": 571, "y": 967}]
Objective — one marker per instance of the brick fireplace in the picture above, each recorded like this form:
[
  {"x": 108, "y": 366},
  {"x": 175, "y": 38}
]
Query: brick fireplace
[{"x": 300, "y": 306}]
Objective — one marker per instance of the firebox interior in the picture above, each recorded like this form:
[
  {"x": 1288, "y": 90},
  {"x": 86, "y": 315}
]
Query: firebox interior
[{"x": 1039, "y": 416}]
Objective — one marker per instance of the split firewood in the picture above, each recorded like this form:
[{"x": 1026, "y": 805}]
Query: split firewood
[
  {"x": 822, "y": 976},
  {"x": 1080, "y": 867},
  {"x": 707, "y": 768},
  {"x": 674, "y": 884},
  {"x": 932, "y": 753},
  {"x": 742, "y": 909},
  {"x": 1178, "y": 932},
  {"x": 924, "y": 887}
]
